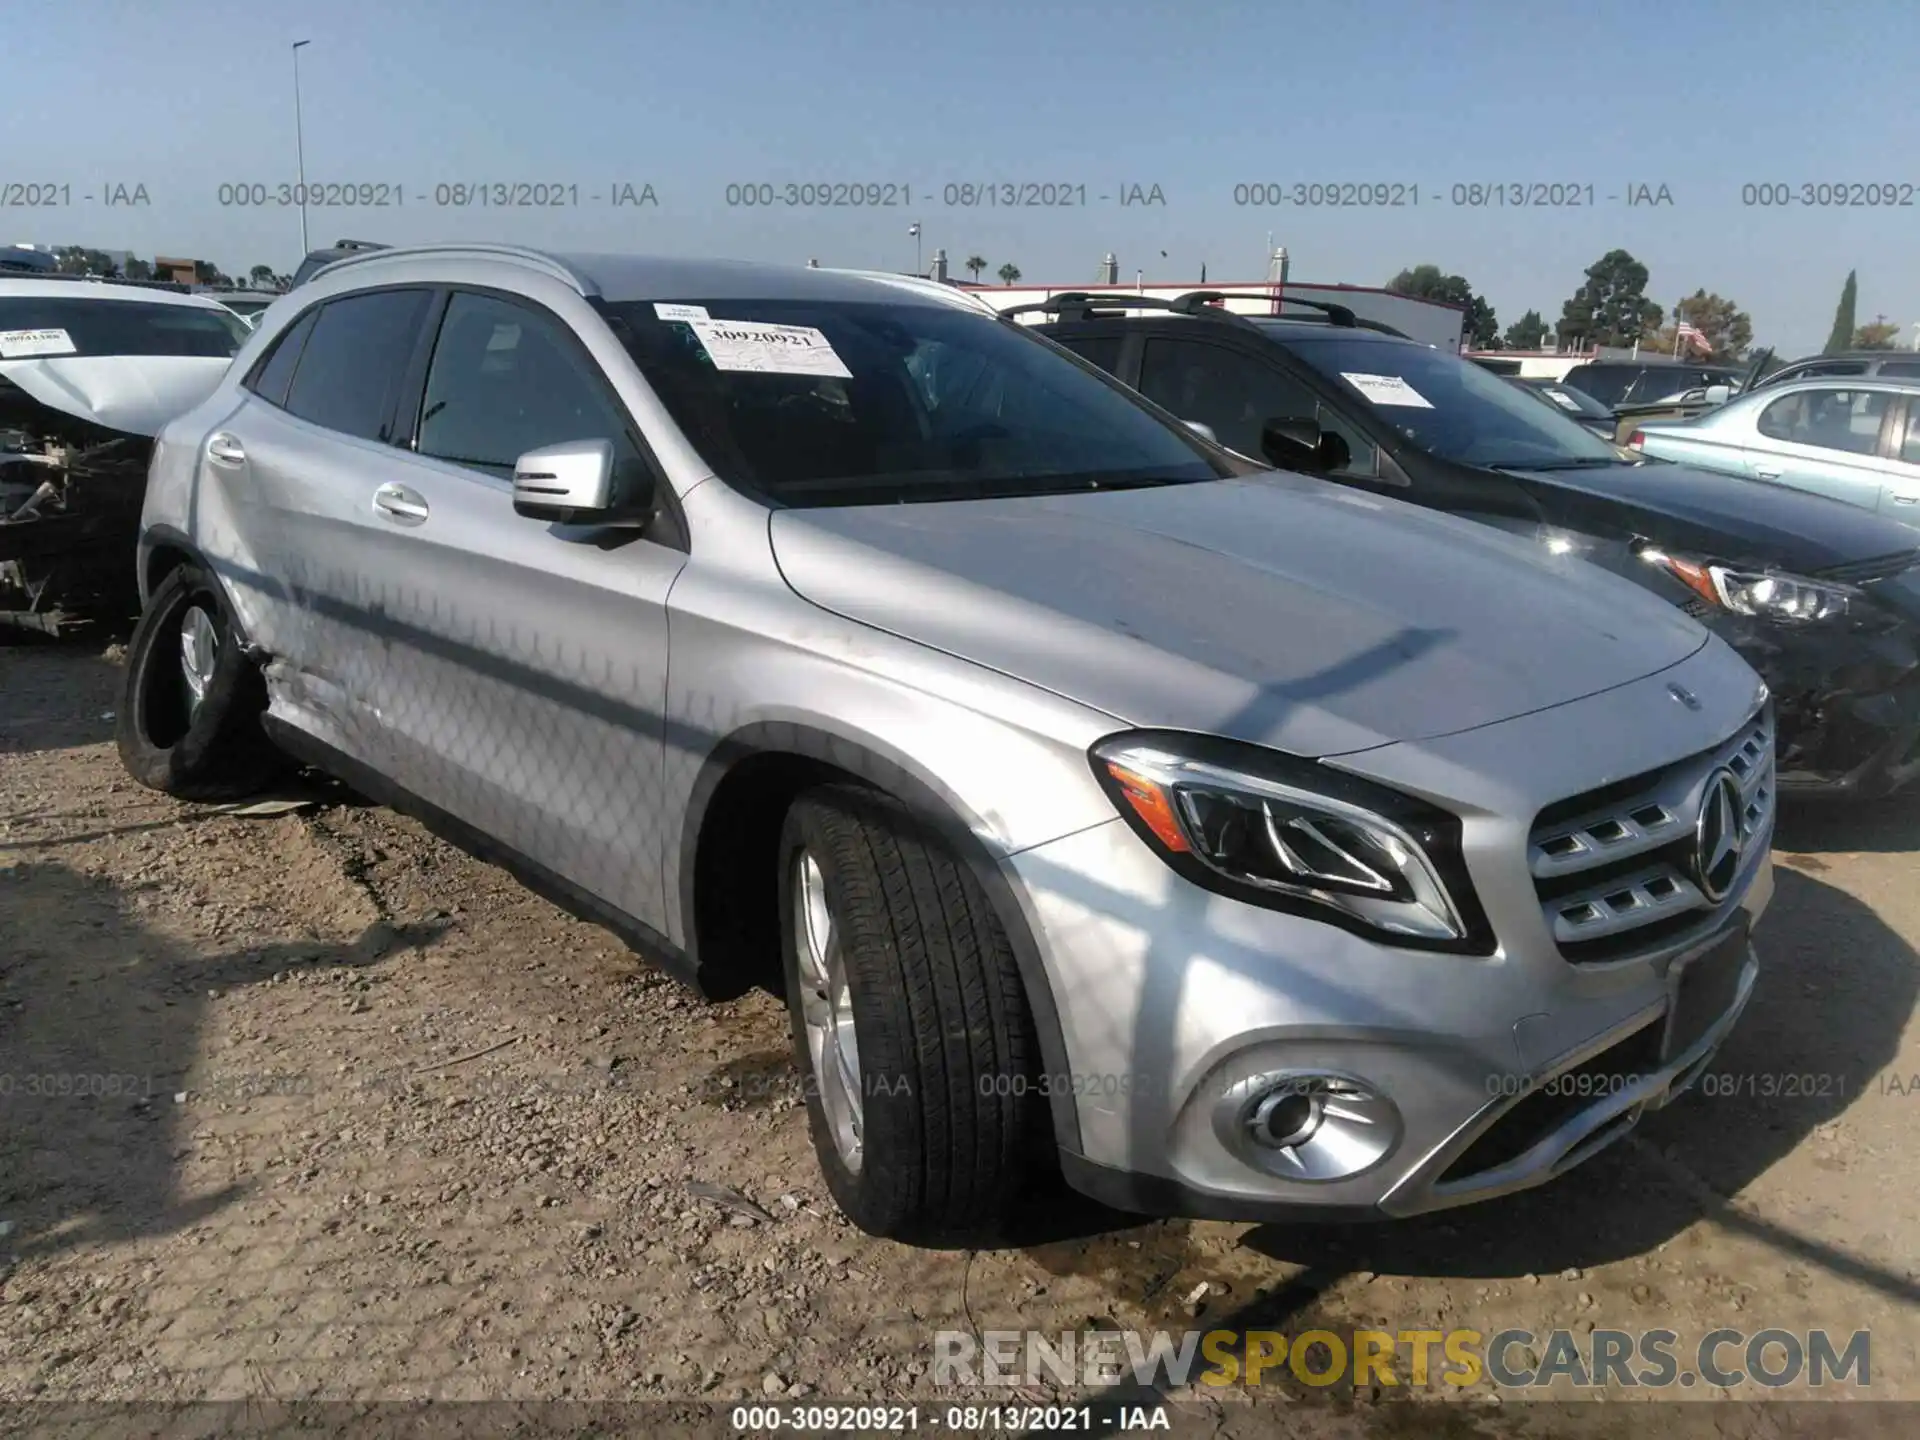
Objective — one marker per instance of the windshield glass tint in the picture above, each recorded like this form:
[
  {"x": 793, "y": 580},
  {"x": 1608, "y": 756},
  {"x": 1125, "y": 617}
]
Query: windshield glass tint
[
  {"x": 934, "y": 403},
  {"x": 126, "y": 327},
  {"x": 1453, "y": 408}
]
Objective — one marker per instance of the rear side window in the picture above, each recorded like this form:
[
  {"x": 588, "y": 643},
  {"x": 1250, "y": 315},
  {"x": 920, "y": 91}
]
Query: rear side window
[
  {"x": 352, "y": 361},
  {"x": 1605, "y": 383},
  {"x": 274, "y": 374},
  {"x": 1900, "y": 367},
  {"x": 1101, "y": 350}
]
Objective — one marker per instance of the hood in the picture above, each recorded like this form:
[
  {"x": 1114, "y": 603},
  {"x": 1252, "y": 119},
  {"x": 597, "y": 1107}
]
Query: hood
[
  {"x": 136, "y": 394},
  {"x": 1729, "y": 517},
  {"x": 1282, "y": 610}
]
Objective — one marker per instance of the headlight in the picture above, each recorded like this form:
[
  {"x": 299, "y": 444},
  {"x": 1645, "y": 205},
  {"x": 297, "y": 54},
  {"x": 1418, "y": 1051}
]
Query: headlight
[
  {"x": 1298, "y": 836},
  {"x": 1791, "y": 599}
]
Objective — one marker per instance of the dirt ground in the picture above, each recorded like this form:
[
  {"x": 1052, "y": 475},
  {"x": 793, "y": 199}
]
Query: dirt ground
[{"x": 309, "y": 1104}]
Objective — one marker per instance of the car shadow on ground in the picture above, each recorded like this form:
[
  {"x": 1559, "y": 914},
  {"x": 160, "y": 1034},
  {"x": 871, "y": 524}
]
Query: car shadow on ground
[
  {"x": 100, "y": 1022},
  {"x": 1874, "y": 827},
  {"x": 54, "y": 703}
]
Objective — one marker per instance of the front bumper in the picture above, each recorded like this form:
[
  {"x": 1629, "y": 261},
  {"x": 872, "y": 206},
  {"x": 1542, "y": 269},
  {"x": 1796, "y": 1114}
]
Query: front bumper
[{"x": 1176, "y": 1004}]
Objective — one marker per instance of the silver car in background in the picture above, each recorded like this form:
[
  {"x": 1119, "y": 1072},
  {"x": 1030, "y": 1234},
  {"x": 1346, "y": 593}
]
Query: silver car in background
[
  {"x": 1093, "y": 795},
  {"x": 1856, "y": 440}
]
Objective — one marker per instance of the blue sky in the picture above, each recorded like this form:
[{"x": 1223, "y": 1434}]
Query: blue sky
[{"x": 691, "y": 95}]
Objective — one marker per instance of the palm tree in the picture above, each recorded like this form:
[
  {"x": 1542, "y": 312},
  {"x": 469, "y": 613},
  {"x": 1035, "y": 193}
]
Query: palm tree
[
  {"x": 975, "y": 263},
  {"x": 1008, "y": 273}
]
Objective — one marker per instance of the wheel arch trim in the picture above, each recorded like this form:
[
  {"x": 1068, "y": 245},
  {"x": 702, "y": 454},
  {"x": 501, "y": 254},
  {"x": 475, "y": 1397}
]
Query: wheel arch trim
[{"x": 873, "y": 763}]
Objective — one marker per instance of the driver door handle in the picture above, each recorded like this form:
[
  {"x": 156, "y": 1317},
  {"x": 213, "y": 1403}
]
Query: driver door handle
[
  {"x": 223, "y": 449},
  {"x": 1766, "y": 474},
  {"x": 400, "y": 504}
]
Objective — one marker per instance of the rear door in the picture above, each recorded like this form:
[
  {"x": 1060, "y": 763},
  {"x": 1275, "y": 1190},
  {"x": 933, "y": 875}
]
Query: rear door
[
  {"x": 1900, "y": 484},
  {"x": 1827, "y": 440},
  {"x": 304, "y": 452}
]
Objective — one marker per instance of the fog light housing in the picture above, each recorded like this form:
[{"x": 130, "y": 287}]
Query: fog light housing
[{"x": 1312, "y": 1126}]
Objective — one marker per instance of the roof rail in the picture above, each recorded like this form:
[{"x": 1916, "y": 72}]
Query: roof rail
[
  {"x": 1194, "y": 300},
  {"x": 536, "y": 259},
  {"x": 1079, "y": 305}
]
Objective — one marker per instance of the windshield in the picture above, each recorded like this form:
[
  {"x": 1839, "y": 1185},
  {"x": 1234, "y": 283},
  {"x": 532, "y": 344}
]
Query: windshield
[
  {"x": 811, "y": 402},
  {"x": 1454, "y": 409},
  {"x": 54, "y": 326},
  {"x": 1574, "y": 402}
]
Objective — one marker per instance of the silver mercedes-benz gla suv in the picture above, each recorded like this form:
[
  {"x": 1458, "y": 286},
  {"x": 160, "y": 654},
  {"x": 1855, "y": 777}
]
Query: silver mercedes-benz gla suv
[{"x": 1249, "y": 846}]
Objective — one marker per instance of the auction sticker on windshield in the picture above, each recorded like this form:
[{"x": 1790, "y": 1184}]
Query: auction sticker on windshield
[
  {"x": 23, "y": 344},
  {"x": 752, "y": 345},
  {"x": 1386, "y": 389}
]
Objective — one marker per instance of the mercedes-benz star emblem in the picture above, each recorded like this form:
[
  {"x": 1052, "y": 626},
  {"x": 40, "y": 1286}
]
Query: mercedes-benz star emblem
[
  {"x": 1685, "y": 696},
  {"x": 1720, "y": 837}
]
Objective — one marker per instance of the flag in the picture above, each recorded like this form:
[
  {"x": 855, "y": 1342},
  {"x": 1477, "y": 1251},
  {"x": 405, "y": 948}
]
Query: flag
[{"x": 1693, "y": 336}]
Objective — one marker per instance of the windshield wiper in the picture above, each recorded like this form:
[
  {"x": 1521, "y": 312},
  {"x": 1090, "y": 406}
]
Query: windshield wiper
[{"x": 1584, "y": 462}]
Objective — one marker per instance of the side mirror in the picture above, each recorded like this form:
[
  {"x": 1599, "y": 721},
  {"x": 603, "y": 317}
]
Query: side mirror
[
  {"x": 1202, "y": 429},
  {"x": 1717, "y": 394},
  {"x": 573, "y": 483},
  {"x": 1300, "y": 444}
]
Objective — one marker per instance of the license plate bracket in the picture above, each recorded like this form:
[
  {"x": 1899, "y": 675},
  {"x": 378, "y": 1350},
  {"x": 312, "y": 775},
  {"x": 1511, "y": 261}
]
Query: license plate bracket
[{"x": 1700, "y": 988}]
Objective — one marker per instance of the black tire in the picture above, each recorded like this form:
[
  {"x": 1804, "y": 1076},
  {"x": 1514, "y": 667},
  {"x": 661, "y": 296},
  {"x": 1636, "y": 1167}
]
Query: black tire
[
  {"x": 953, "y": 1113},
  {"x": 217, "y": 751}
]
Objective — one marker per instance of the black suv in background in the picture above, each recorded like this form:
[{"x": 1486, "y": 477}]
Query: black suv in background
[
  {"x": 1822, "y": 598},
  {"x": 318, "y": 260}
]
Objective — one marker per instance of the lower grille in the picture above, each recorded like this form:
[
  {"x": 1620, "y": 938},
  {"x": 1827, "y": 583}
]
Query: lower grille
[
  {"x": 1622, "y": 868},
  {"x": 1550, "y": 1103}
]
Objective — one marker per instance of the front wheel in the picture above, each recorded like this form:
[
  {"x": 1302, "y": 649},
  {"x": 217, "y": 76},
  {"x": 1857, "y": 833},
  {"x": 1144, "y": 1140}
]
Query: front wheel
[
  {"x": 909, "y": 1020},
  {"x": 189, "y": 718}
]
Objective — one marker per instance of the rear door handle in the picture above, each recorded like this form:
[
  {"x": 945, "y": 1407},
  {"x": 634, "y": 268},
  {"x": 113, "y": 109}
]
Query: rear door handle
[
  {"x": 400, "y": 504},
  {"x": 223, "y": 449},
  {"x": 1766, "y": 474},
  {"x": 1906, "y": 499}
]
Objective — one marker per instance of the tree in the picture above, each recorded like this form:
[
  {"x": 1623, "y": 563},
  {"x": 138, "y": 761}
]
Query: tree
[
  {"x": 205, "y": 272},
  {"x": 261, "y": 275},
  {"x": 1611, "y": 306},
  {"x": 1529, "y": 332},
  {"x": 1009, "y": 273},
  {"x": 975, "y": 264},
  {"x": 79, "y": 260},
  {"x": 138, "y": 269},
  {"x": 1426, "y": 282},
  {"x": 1882, "y": 334},
  {"x": 1729, "y": 330},
  {"x": 1841, "y": 336}
]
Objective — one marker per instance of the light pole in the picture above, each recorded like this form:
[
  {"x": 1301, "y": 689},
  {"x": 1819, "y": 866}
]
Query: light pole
[
  {"x": 914, "y": 231},
  {"x": 300, "y": 148}
]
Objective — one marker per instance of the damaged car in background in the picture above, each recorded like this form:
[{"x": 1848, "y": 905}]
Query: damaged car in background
[{"x": 89, "y": 372}]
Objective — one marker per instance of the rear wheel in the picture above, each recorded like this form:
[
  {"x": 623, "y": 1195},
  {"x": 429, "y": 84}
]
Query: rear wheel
[
  {"x": 189, "y": 719},
  {"x": 909, "y": 1020}
]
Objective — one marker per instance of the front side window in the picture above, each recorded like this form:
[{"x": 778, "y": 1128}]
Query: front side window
[
  {"x": 71, "y": 325},
  {"x": 1606, "y": 383},
  {"x": 1230, "y": 393},
  {"x": 352, "y": 361},
  {"x": 826, "y": 402},
  {"x": 506, "y": 379}
]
